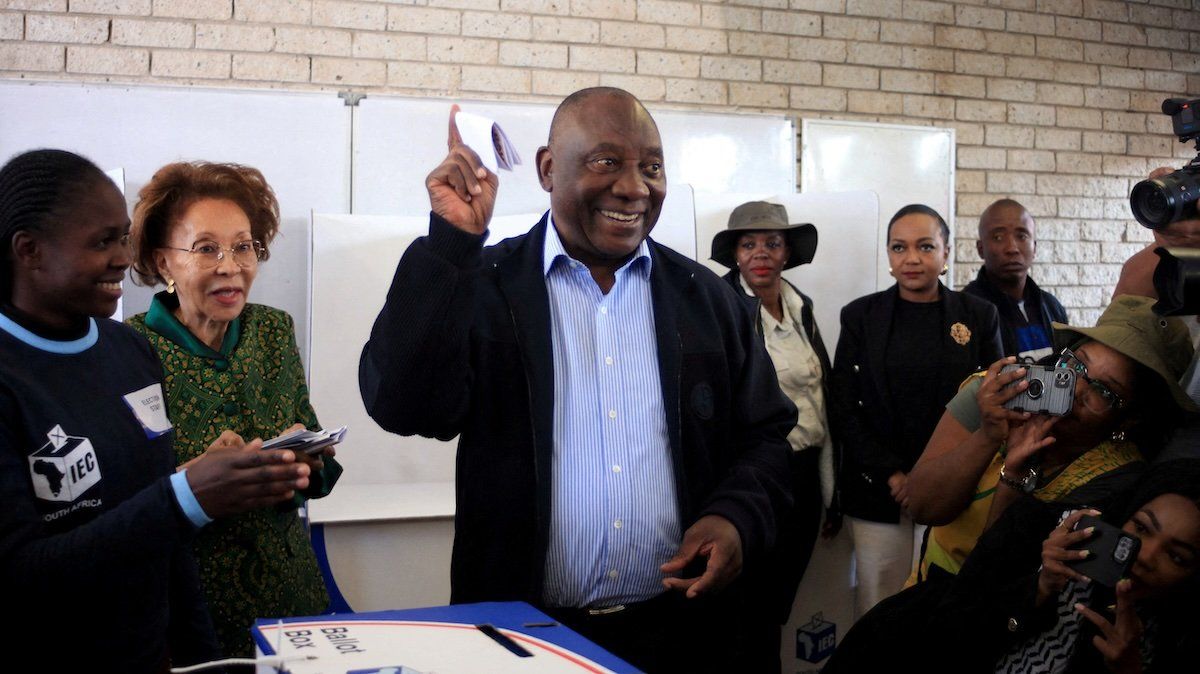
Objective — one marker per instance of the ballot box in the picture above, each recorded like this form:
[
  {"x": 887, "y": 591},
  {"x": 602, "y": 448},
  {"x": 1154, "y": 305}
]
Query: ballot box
[{"x": 494, "y": 637}]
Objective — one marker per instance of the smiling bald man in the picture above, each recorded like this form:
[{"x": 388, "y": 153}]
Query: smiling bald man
[{"x": 622, "y": 437}]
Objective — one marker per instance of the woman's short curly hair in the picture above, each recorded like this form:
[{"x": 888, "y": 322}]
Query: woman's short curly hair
[{"x": 176, "y": 187}]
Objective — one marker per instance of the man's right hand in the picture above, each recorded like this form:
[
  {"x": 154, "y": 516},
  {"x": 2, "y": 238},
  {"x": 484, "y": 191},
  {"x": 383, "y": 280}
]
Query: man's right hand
[
  {"x": 233, "y": 476},
  {"x": 461, "y": 190}
]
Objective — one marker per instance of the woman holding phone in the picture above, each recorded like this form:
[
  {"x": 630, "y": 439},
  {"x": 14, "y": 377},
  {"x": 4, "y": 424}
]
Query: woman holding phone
[
  {"x": 1021, "y": 605},
  {"x": 983, "y": 456}
]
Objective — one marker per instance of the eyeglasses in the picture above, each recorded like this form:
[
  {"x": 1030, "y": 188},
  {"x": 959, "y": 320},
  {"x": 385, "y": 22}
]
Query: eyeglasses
[
  {"x": 1097, "y": 396},
  {"x": 209, "y": 254}
]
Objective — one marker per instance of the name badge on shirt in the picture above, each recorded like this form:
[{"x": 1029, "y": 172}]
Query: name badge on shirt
[{"x": 150, "y": 408}]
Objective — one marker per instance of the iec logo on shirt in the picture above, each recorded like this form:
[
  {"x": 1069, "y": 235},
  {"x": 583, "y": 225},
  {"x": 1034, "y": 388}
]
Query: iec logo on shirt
[{"x": 63, "y": 468}]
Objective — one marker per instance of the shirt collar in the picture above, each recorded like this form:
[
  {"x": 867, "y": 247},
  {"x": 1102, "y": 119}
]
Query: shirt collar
[
  {"x": 161, "y": 319},
  {"x": 554, "y": 254},
  {"x": 50, "y": 345},
  {"x": 790, "y": 299}
]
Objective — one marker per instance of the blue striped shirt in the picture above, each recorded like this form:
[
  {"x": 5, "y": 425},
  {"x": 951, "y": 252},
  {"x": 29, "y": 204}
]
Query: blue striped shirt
[{"x": 613, "y": 516}]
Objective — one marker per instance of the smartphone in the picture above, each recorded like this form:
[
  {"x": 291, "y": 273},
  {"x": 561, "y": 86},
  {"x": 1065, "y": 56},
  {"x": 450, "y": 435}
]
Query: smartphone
[
  {"x": 1051, "y": 389},
  {"x": 1112, "y": 551}
]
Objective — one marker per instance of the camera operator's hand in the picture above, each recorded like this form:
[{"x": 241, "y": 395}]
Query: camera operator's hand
[
  {"x": 1055, "y": 571},
  {"x": 995, "y": 418},
  {"x": 1137, "y": 274},
  {"x": 1179, "y": 234}
]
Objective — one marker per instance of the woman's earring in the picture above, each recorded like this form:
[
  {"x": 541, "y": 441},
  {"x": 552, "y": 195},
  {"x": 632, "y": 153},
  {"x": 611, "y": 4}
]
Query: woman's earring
[
  {"x": 170, "y": 286},
  {"x": 945, "y": 269}
]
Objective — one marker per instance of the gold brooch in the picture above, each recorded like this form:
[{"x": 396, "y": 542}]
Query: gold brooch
[{"x": 960, "y": 333}]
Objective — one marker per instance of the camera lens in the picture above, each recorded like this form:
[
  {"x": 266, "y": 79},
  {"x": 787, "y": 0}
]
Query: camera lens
[
  {"x": 1035, "y": 389},
  {"x": 1156, "y": 203}
]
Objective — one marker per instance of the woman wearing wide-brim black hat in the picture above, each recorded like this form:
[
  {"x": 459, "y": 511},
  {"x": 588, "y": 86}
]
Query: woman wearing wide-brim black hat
[{"x": 758, "y": 244}]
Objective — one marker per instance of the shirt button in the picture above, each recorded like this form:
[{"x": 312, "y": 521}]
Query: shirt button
[
  {"x": 608, "y": 360},
  {"x": 860, "y": 403},
  {"x": 616, "y": 468},
  {"x": 1013, "y": 625},
  {"x": 856, "y": 368},
  {"x": 229, "y": 408},
  {"x": 612, "y": 573},
  {"x": 617, "y": 524},
  {"x": 604, "y": 310},
  {"x": 220, "y": 365},
  {"x": 612, "y": 414}
]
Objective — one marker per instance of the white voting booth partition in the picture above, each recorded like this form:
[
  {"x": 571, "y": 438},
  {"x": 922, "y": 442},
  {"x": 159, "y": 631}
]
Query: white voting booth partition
[{"x": 901, "y": 164}]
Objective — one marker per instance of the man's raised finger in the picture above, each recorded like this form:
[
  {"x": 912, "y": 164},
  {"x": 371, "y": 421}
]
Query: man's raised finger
[{"x": 454, "y": 137}]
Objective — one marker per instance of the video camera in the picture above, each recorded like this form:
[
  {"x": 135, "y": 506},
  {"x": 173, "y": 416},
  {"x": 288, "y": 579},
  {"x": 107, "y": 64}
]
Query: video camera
[{"x": 1161, "y": 201}]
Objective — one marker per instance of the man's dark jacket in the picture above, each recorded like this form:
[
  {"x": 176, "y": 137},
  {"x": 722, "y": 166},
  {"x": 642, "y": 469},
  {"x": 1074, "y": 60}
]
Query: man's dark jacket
[
  {"x": 1047, "y": 306},
  {"x": 463, "y": 347},
  {"x": 862, "y": 412}
]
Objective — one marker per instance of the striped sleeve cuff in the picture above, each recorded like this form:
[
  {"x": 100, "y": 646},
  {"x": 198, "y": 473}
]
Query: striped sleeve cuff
[{"x": 187, "y": 500}]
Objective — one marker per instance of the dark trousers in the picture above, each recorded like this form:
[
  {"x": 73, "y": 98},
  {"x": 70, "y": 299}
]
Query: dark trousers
[
  {"x": 772, "y": 586},
  {"x": 666, "y": 634}
]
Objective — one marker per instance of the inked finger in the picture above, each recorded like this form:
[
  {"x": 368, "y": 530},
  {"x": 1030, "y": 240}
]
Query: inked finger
[{"x": 454, "y": 137}]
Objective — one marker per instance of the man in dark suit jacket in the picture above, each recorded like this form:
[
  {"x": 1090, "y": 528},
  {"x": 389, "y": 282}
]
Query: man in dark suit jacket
[
  {"x": 1007, "y": 244},
  {"x": 489, "y": 344}
]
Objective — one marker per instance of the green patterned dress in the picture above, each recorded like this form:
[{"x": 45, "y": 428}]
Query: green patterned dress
[{"x": 259, "y": 564}]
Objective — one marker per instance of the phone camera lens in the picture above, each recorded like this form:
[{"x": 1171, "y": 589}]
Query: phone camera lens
[{"x": 1035, "y": 389}]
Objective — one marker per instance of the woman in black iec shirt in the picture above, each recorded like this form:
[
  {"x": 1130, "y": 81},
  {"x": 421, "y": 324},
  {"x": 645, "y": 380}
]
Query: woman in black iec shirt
[{"x": 901, "y": 356}]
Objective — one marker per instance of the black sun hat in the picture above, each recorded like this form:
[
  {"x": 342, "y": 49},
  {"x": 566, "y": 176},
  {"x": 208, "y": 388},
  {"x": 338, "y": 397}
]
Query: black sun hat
[{"x": 759, "y": 216}]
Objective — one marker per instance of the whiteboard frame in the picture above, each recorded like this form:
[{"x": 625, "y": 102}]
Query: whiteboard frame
[{"x": 811, "y": 129}]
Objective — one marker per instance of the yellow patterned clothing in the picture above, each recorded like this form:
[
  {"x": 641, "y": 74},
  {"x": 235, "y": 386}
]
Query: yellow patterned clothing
[
  {"x": 949, "y": 545},
  {"x": 258, "y": 564}
]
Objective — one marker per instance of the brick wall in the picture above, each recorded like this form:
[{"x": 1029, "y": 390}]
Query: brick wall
[{"x": 1056, "y": 102}]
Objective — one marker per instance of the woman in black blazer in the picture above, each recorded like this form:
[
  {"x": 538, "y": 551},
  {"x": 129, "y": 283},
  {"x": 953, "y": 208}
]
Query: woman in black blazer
[{"x": 901, "y": 356}]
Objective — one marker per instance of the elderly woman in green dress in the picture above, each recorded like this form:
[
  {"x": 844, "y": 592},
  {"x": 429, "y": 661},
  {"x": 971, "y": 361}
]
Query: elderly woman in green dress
[{"x": 202, "y": 229}]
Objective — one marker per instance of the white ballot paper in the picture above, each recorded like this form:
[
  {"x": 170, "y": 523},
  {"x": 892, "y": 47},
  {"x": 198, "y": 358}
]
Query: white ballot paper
[
  {"x": 488, "y": 140},
  {"x": 303, "y": 440}
]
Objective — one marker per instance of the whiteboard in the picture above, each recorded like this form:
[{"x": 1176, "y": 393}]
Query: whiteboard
[
  {"x": 398, "y": 141},
  {"x": 355, "y": 256},
  {"x": 299, "y": 141},
  {"x": 849, "y": 241},
  {"x": 901, "y": 164}
]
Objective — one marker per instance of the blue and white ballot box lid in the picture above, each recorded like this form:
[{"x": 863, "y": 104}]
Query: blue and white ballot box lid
[{"x": 495, "y": 637}]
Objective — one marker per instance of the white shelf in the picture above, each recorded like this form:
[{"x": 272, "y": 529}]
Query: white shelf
[{"x": 353, "y": 503}]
